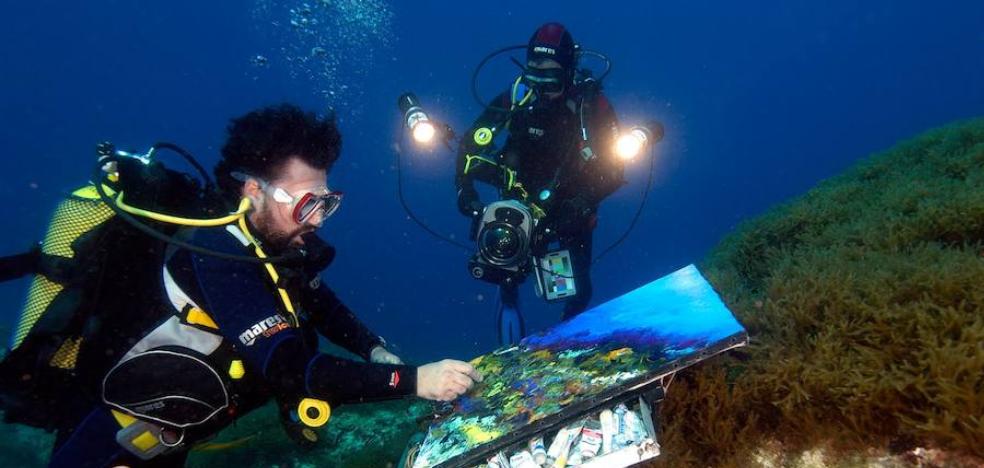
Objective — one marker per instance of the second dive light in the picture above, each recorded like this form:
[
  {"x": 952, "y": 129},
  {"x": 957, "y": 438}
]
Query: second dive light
[
  {"x": 629, "y": 145},
  {"x": 421, "y": 126}
]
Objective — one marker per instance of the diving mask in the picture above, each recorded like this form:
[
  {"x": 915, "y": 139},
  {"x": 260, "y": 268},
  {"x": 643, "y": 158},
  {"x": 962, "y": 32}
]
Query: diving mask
[
  {"x": 304, "y": 205},
  {"x": 545, "y": 80}
]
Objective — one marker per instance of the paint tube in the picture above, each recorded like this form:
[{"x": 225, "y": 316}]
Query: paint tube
[
  {"x": 619, "y": 435},
  {"x": 590, "y": 441},
  {"x": 523, "y": 459},
  {"x": 538, "y": 451},
  {"x": 499, "y": 460},
  {"x": 554, "y": 451},
  {"x": 635, "y": 427},
  {"x": 607, "y": 418},
  {"x": 564, "y": 449}
]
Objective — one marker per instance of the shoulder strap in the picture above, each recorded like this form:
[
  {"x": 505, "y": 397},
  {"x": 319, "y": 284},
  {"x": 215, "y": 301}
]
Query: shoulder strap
[{"x": 16, "y": 266}]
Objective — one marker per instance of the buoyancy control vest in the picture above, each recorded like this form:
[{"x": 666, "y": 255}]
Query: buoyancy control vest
[{"x": 96, "y": 279}]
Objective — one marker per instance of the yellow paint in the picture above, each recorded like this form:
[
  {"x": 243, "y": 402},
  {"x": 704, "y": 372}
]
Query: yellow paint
[
  {"x": 492, "y": 367},
  {"x": 477, "y": 435},
  {"x": 495, "y": 389},
  {"x": 615, "y": 354}
]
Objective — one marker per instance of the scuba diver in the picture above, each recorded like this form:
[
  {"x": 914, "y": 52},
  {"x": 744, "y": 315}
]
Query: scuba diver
[
  {"x": 557, "y": 159},
  {"x": 160, "y": 345}
]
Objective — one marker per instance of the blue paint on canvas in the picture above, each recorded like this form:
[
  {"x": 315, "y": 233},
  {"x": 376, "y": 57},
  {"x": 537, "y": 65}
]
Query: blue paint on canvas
[
  {"x": 680, "y": 307},
  {"x": 636, "y": 338}
]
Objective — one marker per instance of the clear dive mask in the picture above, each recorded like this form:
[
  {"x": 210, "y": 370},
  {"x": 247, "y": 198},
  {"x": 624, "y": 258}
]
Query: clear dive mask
[
  {"x": 302, "y": 205},
  {"x": 545, "y": 80}
]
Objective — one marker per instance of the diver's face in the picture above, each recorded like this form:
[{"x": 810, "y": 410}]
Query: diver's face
[
  {"x": 550, "y": 67},
  {"x": 274, "y": 220}
]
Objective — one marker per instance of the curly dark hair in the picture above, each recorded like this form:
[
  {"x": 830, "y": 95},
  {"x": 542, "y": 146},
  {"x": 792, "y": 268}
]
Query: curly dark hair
[{"x": 262, "y": 141}]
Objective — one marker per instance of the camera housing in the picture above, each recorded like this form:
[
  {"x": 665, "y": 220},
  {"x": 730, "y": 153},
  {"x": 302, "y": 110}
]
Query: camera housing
[{"x": 504, "y": 240}]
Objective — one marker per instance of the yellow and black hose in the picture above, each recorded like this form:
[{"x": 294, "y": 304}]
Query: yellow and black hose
[{"x": 129, "y": 214}]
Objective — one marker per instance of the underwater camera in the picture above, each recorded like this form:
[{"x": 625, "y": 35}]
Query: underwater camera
[
  {"x": 505, "y": 246},
  {"x": 504, "y": 242}
]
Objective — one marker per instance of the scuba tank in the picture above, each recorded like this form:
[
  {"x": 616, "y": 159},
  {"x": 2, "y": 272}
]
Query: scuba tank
[{"x": 91, "y": 271}]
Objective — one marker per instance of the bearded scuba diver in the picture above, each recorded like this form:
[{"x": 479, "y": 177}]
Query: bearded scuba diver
[
  {"x": 556, "y": 166},
  {"x": 156, "y": 317}
]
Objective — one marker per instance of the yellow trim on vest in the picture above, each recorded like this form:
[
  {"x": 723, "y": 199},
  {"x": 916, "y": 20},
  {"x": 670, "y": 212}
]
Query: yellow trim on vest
[
  {"x": 511, "y": 181},
  {"x": 145, "y": 441},
  {"x": 88, "y": 192},
  {"x": 236, "y": 369},
  {"x": 284, "y": 297},
  {"x": 67, "y": 354},
  {"x": 198, "y": 316},
  {"x": 509, "y": 174},
  {"x": 123, "y": 419},
  {"x": 469, "y": 158}
]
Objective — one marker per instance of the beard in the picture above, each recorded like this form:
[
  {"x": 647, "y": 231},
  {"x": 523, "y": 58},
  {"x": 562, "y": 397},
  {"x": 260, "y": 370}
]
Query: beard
[{"x": 276, "y": 239}]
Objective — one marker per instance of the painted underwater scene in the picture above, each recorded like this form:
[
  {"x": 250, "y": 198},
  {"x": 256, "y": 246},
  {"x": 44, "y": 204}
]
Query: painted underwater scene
[{"x": 628, "y": 342}]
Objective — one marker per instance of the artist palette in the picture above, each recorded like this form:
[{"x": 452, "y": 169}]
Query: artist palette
[{"x": 614, "y": 353}]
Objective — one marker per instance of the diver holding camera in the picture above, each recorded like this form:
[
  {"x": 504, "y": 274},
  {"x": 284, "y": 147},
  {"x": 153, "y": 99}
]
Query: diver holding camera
[
  {"x": 561, "y": 154},
  {"x": 556, "y": 166}
]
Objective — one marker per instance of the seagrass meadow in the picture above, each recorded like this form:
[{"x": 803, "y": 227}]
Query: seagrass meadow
[{"x": 864, "y": 300}]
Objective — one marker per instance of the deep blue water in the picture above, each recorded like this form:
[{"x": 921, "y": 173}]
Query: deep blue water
[{"x": 761, "y": 100}]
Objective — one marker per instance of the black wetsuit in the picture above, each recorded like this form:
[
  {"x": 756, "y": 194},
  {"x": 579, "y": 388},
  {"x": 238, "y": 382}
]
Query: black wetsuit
[
  {"x": 280, "y": 361},
  {"x": 546, "y": 149}
]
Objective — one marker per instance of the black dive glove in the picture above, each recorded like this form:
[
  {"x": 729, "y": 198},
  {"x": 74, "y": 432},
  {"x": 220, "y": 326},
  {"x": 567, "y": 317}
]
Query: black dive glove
[
  {"x": 543, "y": 234},
  {"x": 469, "y": 204}
]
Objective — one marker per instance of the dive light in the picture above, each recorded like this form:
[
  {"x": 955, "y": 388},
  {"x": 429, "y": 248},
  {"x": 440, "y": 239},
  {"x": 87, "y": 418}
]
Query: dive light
[
  {"x": 421, "y": 126},
  {"x": 629, "y": 145}
]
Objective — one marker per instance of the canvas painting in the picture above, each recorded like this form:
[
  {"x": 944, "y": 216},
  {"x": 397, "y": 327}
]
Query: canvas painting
[{"x": 643, "y": 335}]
